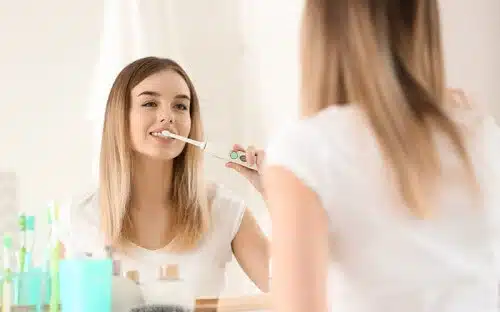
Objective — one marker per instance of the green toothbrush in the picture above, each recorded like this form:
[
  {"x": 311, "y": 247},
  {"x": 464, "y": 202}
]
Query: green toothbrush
[
  {"x": 7, "y": 274},
  {"x": 22, "y": 250},
  {"x": 30, "y": 241},
  {"x": 54, "y": 260}
]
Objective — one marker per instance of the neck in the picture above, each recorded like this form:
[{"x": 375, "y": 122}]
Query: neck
[{"x": 151, "y": 183}]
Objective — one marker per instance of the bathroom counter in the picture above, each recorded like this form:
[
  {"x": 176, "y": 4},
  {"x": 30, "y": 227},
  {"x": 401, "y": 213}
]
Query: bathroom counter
[
  {"x": 260, "y": 302},
  {"x": 255, "y": 303},
  {"x": 27, "y": 308}
]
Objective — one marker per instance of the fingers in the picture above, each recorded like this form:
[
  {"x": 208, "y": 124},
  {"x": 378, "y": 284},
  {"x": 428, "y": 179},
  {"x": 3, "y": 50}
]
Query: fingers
[
  {"x": 261, "y": 156},
  {"x": 254, "y": 156},
  {"x": 238, "y": 148},
  {"x": 251, "y": 155},
  {"x": 244, "y": 171}
]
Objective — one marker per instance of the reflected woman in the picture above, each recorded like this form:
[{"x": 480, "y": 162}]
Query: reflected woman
[{"x": 153, "y": 205}]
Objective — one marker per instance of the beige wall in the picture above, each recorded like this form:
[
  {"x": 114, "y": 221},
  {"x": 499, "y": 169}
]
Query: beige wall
[{"x": 471, "y": 32}]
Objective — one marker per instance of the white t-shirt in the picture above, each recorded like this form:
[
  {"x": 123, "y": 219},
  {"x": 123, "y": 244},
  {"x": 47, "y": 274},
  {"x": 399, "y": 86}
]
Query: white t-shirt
[
  {"x": 201, "y": 271},
  {"x": 389, "y": 261}
]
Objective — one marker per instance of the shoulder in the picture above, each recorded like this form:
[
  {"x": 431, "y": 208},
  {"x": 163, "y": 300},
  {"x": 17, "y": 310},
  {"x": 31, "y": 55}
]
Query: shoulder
[
  {"x": 83, "y": 206},
  {"x": 315, "y": 148},
  {"x": 79, "y": 222},
  {"x": 316, "y": 135},
  {"x": 227, "y": 209}
]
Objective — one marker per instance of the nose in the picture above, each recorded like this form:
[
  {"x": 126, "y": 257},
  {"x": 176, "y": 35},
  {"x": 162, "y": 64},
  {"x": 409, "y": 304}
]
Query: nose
[
  {"x": 169, "y": 120},
  {"x": 167, "y": 116}
]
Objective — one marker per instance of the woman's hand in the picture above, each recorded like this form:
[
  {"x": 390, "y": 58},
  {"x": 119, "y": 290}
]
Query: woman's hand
[{"x": 254, "y": 157}]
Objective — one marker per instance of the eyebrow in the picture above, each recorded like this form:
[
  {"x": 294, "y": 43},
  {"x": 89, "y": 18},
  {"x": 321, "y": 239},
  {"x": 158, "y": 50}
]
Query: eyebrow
[
  {"x": 183, "y": 96},
  {"x": 154, "y": 93}
]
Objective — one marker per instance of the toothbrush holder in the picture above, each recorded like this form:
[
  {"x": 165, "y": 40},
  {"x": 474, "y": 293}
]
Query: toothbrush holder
[{"x": 85, "y": 285}]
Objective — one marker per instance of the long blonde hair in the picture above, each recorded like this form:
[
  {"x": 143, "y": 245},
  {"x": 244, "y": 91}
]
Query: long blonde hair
[
  {"x": 385, "y": 56},
  {"x": 189, "y": 201}
]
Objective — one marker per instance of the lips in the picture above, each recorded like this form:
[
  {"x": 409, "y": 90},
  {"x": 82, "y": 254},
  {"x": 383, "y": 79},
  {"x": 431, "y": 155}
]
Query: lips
[
  {"x": 158, "y": 132},
  {"x": 162, "y": 140}
]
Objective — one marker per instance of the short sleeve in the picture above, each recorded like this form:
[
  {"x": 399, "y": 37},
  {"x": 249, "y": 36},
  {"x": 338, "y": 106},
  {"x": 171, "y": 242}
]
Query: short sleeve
[
  {"x": 227, "y": 213},
  {"x": 79, "y": 224},
  {"x": 299, "y": 148}
]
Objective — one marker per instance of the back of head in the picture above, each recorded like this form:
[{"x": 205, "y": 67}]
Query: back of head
[{"x": 386, "y": 56}]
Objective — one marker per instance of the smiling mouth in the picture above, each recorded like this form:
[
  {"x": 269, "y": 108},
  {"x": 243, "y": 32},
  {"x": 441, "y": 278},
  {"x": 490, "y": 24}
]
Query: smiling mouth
[
  {"x": 159, "y": 134},
  {"x": 162, "y": 138}
]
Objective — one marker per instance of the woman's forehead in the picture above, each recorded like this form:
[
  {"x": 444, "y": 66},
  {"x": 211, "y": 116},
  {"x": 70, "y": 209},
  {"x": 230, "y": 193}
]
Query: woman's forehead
[{"x": 164, "y": 83}]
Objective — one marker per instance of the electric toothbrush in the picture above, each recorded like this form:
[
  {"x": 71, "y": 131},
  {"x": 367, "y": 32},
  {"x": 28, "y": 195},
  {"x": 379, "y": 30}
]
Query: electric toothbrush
[
  {"x": 54, "y": 259},
  {"x": 46, "y": 281},
  {"x": 21, "y": 254},
  {"x": 22, "y": 250},
  {"x": 7, "y": 274},
  {"x": 30, "y": 242},
  {"x": 237, "y": 157}
]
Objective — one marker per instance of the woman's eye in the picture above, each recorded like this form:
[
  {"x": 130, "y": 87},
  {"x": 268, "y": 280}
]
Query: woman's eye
[
  {"x": 149, "y": 104},
  {"x": 181, "y": 106}
]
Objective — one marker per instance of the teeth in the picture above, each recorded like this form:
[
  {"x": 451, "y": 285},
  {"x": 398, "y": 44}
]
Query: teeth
[{"x": 160, "y": 134}]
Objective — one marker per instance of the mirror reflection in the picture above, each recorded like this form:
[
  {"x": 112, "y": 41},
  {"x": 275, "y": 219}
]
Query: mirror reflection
[{"x": 102, "y": 180}]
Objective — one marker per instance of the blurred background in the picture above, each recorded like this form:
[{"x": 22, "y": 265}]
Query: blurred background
[{"x": 58, "y": 60}]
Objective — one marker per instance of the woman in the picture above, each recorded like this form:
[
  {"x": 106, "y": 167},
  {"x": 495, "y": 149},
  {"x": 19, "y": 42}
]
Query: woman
[
  {"x": 153, "y": 206},
  {"x": 389, "y": 175}
]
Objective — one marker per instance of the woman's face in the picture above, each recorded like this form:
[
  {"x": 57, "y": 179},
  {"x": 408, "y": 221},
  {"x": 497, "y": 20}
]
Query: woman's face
[{"x": 160, "y": 102}]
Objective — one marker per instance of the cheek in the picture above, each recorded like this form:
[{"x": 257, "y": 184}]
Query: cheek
[
  {"x": 137, "y": 124},
  {"x": 185, "y": 125}
]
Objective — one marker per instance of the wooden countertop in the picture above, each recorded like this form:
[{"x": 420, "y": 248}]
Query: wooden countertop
[{"x": 261, "y": 302}]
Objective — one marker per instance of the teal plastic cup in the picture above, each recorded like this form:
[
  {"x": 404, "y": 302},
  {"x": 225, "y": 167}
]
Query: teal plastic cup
[
  {"x": 85, "y": 285},
  {"x": 27, "y": 287}
]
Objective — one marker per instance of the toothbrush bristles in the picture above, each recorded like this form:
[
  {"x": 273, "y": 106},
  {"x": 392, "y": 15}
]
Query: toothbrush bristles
[{"x": 166, "y": 133}]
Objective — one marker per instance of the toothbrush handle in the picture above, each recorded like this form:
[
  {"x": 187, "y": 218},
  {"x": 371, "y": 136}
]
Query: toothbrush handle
[
  {"x": 222, "y": 152},
  {"x": 239, "y": 158}
]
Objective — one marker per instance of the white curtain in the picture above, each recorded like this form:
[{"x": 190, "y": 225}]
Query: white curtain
[
  {"x": 271, "y": 29},
  {"x": 131, "y": 29}
]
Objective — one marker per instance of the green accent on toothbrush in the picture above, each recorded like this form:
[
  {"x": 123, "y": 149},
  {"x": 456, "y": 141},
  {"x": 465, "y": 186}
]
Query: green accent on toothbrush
[
  {"x": 22, "y": 223},
  {"x": 22, "y": 250},
  {"x": 8, "y": 275},
  {"x": 7, "y": 245},
  {"x": 30, "y": 223},
  {"x": 7, "y": 241}
]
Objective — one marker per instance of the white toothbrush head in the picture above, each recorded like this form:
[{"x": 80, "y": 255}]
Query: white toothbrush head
[{"x": 169, "y": 134}]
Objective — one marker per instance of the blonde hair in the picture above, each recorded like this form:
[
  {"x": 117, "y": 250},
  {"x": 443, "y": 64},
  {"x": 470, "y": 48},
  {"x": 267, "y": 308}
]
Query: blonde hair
[
  {"x": 189, "y": 201},
  {"x": 385, "y": 56}
]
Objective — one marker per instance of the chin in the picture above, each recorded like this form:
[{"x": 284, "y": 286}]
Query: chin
[
  {"x": 166, "y": 156},
  {"x": 158, "y": 155}
]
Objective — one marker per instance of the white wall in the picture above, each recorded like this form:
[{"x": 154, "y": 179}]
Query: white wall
[
  {"x": 471, "y": 31},
  {"x": 46, "y": 56},
  {"x": 238, "y": 61}
]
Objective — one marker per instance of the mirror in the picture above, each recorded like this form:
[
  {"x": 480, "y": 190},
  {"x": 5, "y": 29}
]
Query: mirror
[{"x": 60, "y": 64}]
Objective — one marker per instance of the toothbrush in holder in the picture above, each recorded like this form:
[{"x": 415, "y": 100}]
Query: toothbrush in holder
[
  {"x": 22, "y": 250},
  {"x": 7, "y": 274},
  {"x": 237, "y": 157},
  {"x": 54, "y": 259}
]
